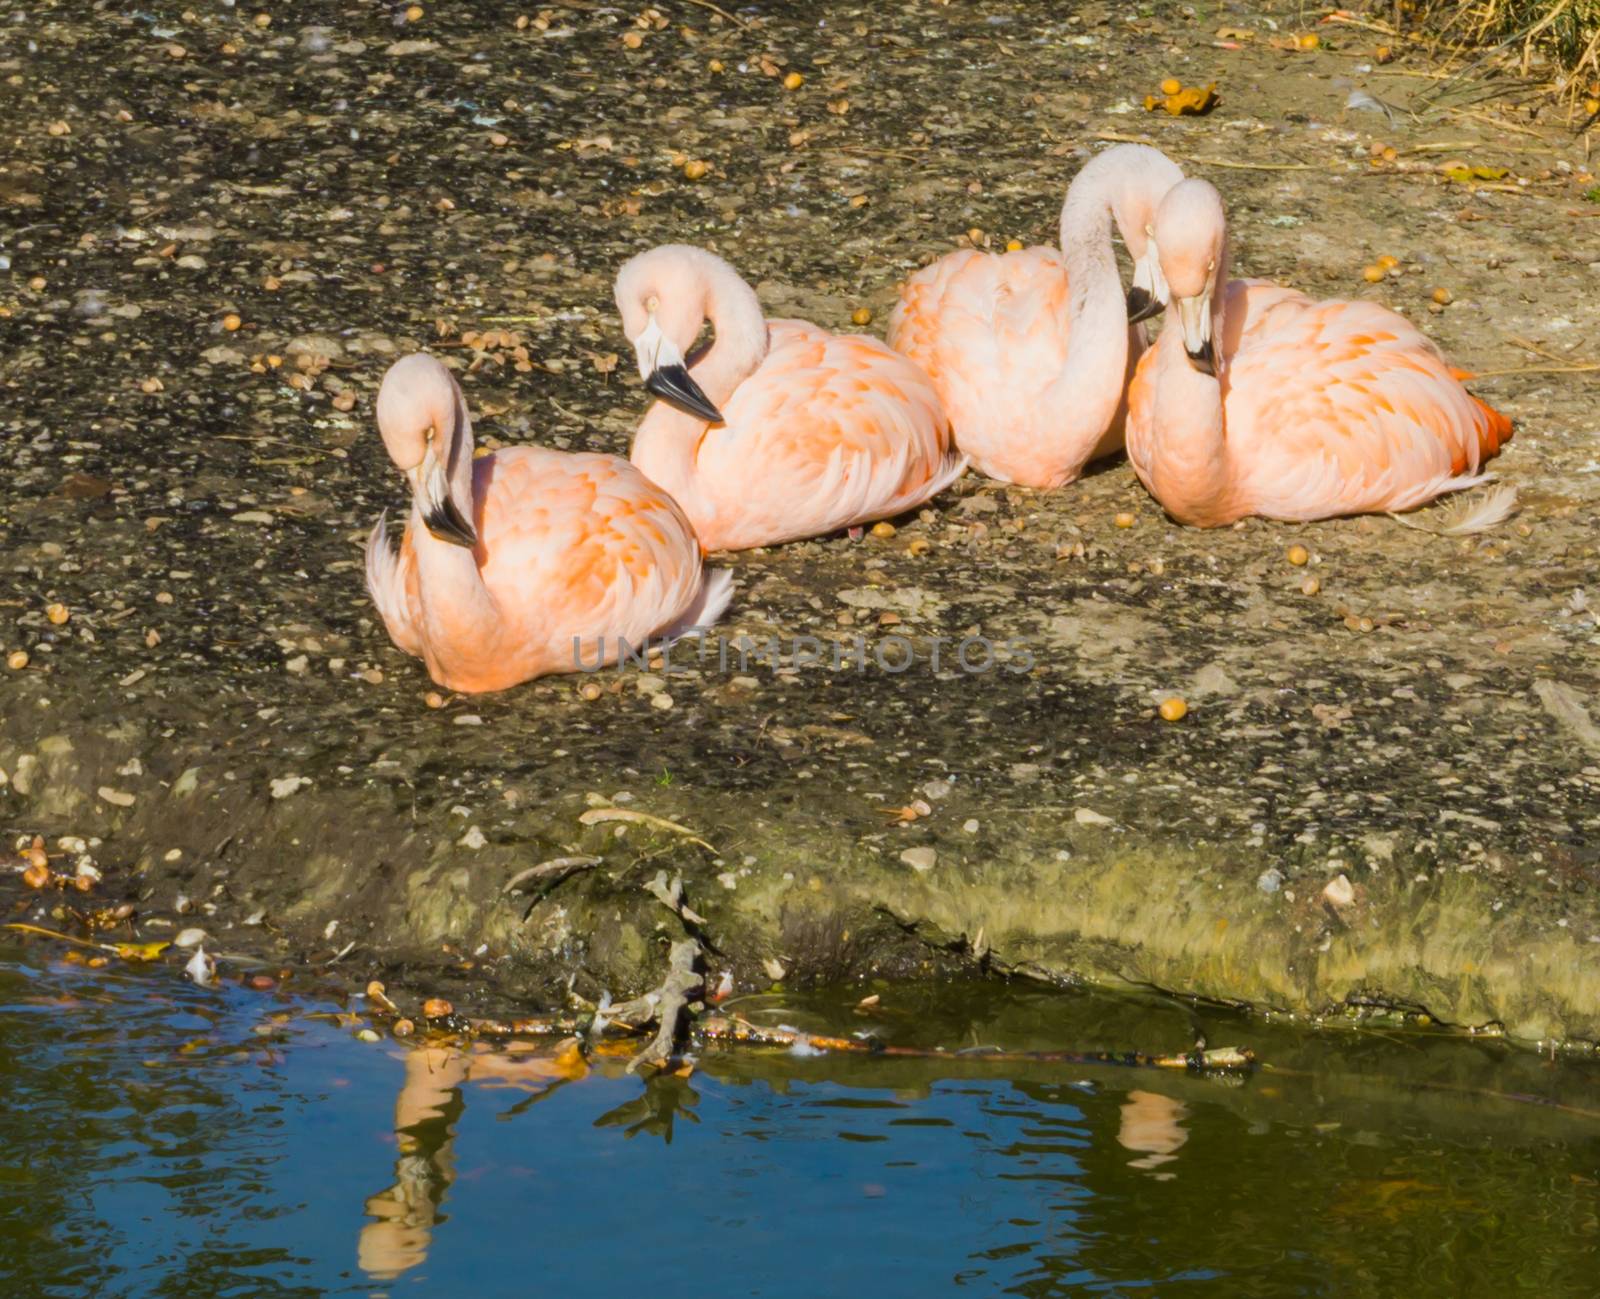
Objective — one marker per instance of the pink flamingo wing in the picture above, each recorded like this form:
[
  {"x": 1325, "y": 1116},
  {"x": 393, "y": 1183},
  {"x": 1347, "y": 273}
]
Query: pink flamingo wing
[
  {"x": 830, "y": 431},
  {"x": 1345, "y": 407}
]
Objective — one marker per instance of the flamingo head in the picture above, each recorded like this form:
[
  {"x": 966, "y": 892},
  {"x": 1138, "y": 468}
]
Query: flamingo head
[
  {"x": 422, "y": 417},
  {"x": 1189, "y": 234},
  {"x": 1144, "y": 176},
  {"x": 662, "y": 295}
]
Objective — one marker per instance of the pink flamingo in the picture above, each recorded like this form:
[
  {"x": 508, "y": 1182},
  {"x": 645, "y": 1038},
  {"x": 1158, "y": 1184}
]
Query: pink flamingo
[
  {"x": 528, "y": 561},
  {"x": 1257, "y": 400},
  {"x": 779, "y": 430},
  {"x": 1031, "y": 351}
]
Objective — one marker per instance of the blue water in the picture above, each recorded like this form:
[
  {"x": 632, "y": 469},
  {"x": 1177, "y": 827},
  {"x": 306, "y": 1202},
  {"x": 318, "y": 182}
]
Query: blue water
[{"x": 163, "y": 1140}]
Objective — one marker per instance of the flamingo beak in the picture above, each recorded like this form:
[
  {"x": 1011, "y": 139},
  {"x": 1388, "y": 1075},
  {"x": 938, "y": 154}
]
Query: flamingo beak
[
  {"x": 1149, "y": 293},
  {"x": 667, "y": 377},
  {"x": 1142, "y": 304},
  {"x": 440, "y": 515},
  {"x": 1194, "y": 318}
]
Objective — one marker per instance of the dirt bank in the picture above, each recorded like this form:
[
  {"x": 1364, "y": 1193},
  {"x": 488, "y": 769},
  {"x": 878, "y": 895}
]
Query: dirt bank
[{"x": 219, "y": 234}]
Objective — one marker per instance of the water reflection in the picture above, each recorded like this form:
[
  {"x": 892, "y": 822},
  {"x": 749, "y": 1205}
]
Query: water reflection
[
  {"x": 430, "y": 1104},
  {"x": 1152, "y": 1124},
  {"x": 160, "y": 1140}
]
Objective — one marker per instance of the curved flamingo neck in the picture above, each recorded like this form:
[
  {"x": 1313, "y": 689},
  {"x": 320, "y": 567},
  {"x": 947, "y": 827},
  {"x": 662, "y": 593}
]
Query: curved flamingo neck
[
  {"x": 1089, "y": 389},
  {"x": 456, "y": 605},
  {"x": 668, "y": 440},
  {"x": 740, "y": 329},
  {"x": 1193, "y": 468}
]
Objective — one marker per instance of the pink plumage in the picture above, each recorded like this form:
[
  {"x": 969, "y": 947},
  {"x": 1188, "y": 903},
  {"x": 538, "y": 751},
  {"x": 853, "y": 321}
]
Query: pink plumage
[
  {"x": 1031, "y": 350},
  {"x": 549, "y": 560},
  {"x": 1315, "y": 409},
  {"x": 816, "y": 431}
]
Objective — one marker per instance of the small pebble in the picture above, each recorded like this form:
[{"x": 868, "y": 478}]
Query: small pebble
[{"x": 1310, "y": 586}]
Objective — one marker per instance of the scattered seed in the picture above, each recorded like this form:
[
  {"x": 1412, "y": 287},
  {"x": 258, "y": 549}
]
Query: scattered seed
[
  {"x": 1373, "y": 274},
  {"x": 17, "y": 660},
  {"x": 231, "y": 322},
  {"x": 403, "y": 1028},
  {"x": 414, "y": 13},
  {"x": 1171, "y": 86},
  {"x": 152, "y": 385},
  {"x": 345, "y": 400},
  {"x": 437, "y": 1008},
  {"x": 919, "y": 546},
  {"x": 793, "y": 81},
  {"x": 861, "y": 316},
  {"x": 695, "y": 169},
  {"x": 1013, "y": 245},
  {"x": 632, "y": 40},
  {"x": 1309, "y": 41},
  {"x": 1310, "y": 586},
  {"x": 885, "y": 529},
  {"x": 590, "y": 691},
  {"x": 1383, "y": 54},
  {"x": 499, "y": 140},
  {"x": 1124, "y": 520},
  {"x": 1443, "y": 296},
  {"x": 1173, "y": 709},
  {"x": 58, "y": 614},
  {"x": 58, "y": 128},
  {"x": 1298, "y": 555},
  {"x": 36, "y": 876}
]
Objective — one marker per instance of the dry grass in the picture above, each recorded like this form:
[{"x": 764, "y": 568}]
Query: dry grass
[{"x": 1557, "y": 41}]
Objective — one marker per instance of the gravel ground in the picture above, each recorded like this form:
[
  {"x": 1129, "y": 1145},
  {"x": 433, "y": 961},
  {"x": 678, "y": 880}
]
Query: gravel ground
[{"x": 222, "y": 227}]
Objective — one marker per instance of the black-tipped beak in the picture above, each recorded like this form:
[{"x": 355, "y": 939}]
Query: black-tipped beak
[
  {"x": 673, "y": 385},
  {"x": 1142, "y": 304},
  {"x": 1205, "y": 360},
  {"x": 445, "y": 523}
]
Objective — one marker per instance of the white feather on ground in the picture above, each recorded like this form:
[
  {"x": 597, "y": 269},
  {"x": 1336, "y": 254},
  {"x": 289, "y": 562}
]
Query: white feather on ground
[{"x": 1464, "y": 515}]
